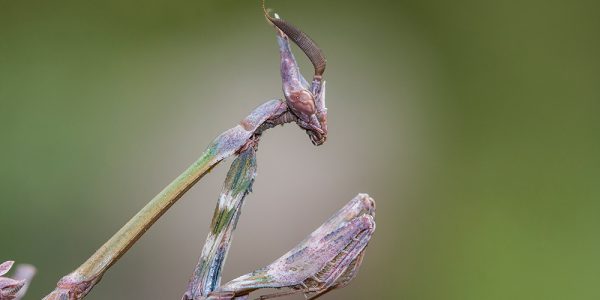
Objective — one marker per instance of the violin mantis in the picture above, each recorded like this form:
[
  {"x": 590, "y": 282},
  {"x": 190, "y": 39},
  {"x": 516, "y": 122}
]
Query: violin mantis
[{"x": 327, "y": 259}]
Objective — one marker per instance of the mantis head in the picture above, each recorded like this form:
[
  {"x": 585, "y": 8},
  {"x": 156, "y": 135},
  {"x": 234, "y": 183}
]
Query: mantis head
[{"x": 306, "y": 102}]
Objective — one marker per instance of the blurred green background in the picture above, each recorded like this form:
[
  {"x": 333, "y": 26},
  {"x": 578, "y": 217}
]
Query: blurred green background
[{"x": 474, "y": 124}]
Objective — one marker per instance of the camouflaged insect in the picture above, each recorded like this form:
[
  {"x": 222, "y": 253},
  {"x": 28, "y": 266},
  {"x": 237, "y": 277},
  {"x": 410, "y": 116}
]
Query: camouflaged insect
[{"x": 327, "y": 259}]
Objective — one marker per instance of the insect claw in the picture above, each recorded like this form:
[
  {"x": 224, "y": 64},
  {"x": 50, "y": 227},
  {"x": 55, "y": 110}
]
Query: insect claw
[{"x": 326, "y": 260}]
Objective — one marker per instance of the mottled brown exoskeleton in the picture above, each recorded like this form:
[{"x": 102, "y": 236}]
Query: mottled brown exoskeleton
[
  {"x": 306, "y": 102},
  {"x": 329, "y": 258}
]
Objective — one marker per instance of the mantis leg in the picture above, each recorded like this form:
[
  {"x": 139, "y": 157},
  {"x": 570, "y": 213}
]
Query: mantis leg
[
  {"x": 207, "y": 274},
  {"x": 78, "y": 283},
  {"x": 328, "y": 256}
]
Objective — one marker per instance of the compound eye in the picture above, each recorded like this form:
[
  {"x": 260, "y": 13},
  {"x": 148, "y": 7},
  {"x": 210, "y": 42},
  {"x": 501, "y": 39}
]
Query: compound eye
[{"x": 303, "y": 101}]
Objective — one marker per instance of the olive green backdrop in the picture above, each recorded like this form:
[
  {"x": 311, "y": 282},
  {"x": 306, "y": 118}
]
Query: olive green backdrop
[{"x": 474, "y": 124}]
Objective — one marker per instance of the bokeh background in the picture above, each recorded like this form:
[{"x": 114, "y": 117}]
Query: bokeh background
[{"x": 474, "y": 124}]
